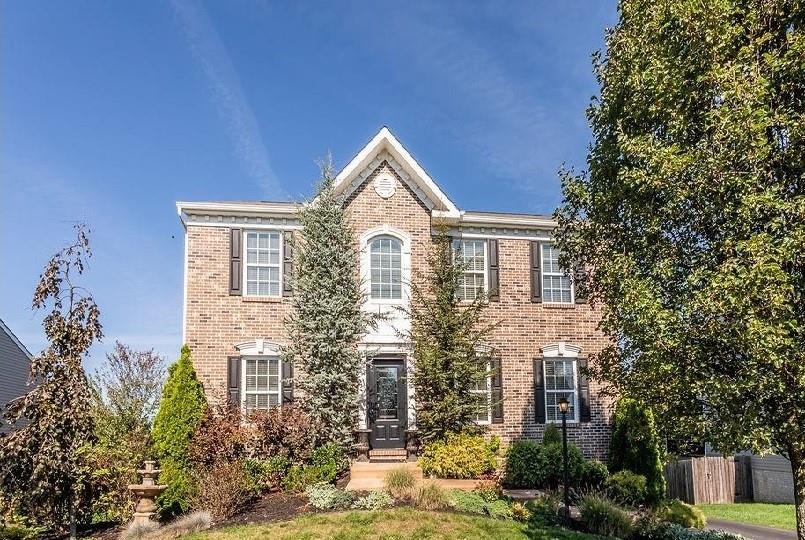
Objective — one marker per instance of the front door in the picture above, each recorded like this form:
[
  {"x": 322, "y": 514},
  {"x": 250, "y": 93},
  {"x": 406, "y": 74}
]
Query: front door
[{"x": 386, "y": 394}]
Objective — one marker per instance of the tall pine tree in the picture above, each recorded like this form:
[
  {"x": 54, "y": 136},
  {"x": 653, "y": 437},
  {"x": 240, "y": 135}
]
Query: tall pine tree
[
  {"x": 326, "y": 321},
  {"x": 446, "y": 336}
]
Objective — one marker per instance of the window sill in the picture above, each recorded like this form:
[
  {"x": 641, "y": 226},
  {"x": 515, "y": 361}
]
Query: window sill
[
  {"x": 268, "y": 299},
  {"x": 559, "y": 305}
]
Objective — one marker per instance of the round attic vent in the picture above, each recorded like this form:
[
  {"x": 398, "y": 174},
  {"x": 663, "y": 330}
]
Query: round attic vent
[{"x": 385, "y": 185}]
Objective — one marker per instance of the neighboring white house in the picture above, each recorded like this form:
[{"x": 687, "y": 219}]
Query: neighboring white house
[{"x": 15, "y": 364}]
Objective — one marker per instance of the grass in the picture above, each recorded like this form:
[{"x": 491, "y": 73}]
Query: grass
[
  {"x": 771, "y": 515},
  {"x": 392, "y": 524}
]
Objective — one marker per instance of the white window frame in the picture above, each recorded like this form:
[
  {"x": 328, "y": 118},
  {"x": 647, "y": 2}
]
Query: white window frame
[
  {"x": 575, "y": 391},
  {"x": 561, "y": 273},
  {"x": 244, "y": 258},
  {"x": 485, "y": 245},
  {"x": 243, "y": 362},
  {"x": 488, "y": 393},
  {"x": 372, "y": 304},
  {"x": 369, "y": 248}
]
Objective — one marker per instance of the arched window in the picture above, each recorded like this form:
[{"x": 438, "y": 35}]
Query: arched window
[{"x": 386, "y": 268}]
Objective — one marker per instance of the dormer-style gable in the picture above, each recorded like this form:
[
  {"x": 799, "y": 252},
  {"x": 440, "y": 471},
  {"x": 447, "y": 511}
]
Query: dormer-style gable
[{"x": 386, "y": 147}]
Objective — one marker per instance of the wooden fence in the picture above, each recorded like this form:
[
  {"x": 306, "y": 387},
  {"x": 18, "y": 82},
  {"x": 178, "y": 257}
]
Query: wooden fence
[{"x": 705, "y": 480}]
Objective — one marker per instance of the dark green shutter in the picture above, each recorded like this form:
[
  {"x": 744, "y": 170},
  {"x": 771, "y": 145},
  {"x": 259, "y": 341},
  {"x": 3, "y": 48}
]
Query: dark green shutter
[
  {"x": 539, "y": 392},
  {"x": 233, "y": 381},
  {"x": 579, "y": 276},
  {"x": 235, "y": 262},
  {"x": 497, "y": 390},
  {"x": 494, "y": 271},
  {"x": 287, "y": 263},
  {"x": 584, "y": 391},
  {"x": 287, "y": 382},
  {"x": 536, "y": 274}
]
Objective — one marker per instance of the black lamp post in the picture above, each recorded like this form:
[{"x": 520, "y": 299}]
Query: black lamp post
[{"x": 564, "y": 407}]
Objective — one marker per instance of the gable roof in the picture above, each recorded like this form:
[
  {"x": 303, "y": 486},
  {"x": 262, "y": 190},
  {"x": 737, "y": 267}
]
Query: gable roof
[
  {"x": 385, "y": 141},
  {"x": 13, "y": 338}
]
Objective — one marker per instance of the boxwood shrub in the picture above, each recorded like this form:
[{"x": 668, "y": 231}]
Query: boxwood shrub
[
  {"x": 534, "y": 466},
  {"x": 458, "y": 456}
]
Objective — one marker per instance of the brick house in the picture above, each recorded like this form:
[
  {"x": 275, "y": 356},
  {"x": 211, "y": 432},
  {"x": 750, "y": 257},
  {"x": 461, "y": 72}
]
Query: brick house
[{"x": 236, "y": 296}]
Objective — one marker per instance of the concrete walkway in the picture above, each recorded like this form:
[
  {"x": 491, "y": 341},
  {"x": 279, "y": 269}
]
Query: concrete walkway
[
  {"x": 371, "y": 476},
  {"x": 756, "y": 532}
]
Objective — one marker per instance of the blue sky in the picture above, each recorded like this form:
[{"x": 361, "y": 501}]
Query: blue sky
[{"x": 111, "y": 111}]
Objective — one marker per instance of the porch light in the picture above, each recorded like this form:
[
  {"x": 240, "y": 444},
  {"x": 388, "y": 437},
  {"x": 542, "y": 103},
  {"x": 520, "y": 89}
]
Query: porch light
[{"x": 564, "y": 405}]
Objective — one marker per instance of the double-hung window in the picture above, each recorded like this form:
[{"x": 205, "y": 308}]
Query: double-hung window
[
  {"x": 261, "y": 383},
  {"x": 556, "y": 286},
  {"x": 483, "y": 390},
  {"x": 263, "y": 264},
  {"x": 385, "y": 266},
  {"x": 560, "y": 382},
  {"x": 471, "y": 255}
]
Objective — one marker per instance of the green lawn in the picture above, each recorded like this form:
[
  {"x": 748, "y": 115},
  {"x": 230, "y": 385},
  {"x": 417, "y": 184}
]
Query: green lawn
[
  {"x": 392, "y": 524},
  {"x": 772, "y": 515}
]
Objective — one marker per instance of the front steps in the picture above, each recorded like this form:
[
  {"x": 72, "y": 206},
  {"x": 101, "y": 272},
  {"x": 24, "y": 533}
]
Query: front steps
[
  {"x": 387, "y": 455},
  {"x": 369, "y": 476}
]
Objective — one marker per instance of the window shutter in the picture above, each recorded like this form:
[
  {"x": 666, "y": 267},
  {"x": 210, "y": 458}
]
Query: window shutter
[
  {"x": 235, "y": 262},
  {"x": 233, "y": 381},
  {"x": 536, "y": 274},
  {"x": 579, "y": 275},
  {"x": 497, "y": 391},
  {"x": 287, "y": 263},
  {"x": 539, "y": 392},
  {"x": 584, "y": 391},
  {"x": 287, "y": 382},
  {"x": 494, "y": 271}
]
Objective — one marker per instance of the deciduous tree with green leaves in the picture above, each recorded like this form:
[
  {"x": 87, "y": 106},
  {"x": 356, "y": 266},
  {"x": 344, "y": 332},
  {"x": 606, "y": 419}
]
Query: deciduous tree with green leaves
[
  {"x": 691, "y": 220},
  {"x": 43, "y": 460},
  {"x": 326, "y": 322},
  {"x": 446, "y": 336}
]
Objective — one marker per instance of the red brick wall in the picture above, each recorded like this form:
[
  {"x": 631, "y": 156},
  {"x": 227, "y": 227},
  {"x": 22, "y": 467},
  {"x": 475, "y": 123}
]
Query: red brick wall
[{"x": 216, "y": 321}]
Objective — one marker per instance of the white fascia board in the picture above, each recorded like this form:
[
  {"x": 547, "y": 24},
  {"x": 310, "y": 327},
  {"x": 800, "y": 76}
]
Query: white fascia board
[
  {"x": 521, "y": 221},
  {"x": 237, "y": 209},
  {"x": 385, "y": 140}
]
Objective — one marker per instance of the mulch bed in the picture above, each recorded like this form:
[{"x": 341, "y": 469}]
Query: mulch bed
[{"x": 270, "y": 508}]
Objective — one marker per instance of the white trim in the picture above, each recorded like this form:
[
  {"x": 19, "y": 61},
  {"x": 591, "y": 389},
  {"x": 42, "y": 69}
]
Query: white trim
[
  {"x": 184, "y": 291},
  {"x": 405, "y": 260},
  {"x": 258, "y": 347},
  {"x": 488, "y": 393},
  {"x": 238, "y": 208},
  {"x": 543, "y": 273},
  {"x": 245, "y": 265},
  {"x": 575, "y": 391},
  {"x": 523, "y": 221},
  {"x": 250, "y": 226},
  {"x": 385, "y": 140},
  {"x": 486, "y": 264},
  {"x": 243, "y": 392}
]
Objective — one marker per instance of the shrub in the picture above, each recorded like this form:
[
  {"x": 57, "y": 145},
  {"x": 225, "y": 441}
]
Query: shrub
[
  {"x": 222, "y": 489},
  {"x": 474, "y": 503},
  {"x": 266, "y": 474},
  {"x": 190, "y": 523},
  {"x": 531, "y": 465},
  {"x": 649, "y": 528},
  {"x": 17, "y": 532},
  {"x": 326, "y": 496},
  {"x": 683, "y": 514},
  {"x": 299, "y": 477},
  {"x": 627, "y": 487},
  {"x": 400, "y": 483},
  {"x": 520, "y": 512},
  {"x": 431, "y": 497},
  {"x": 180, "y": 412},
  {"x": 552, "y": 435},
  {"x": 375, "y": 500},
  {"x": 603, "y": 517},
  {"x": 635, "y": 446},
  {"x": 489, "y": 490},
  {"x": 458, "y": 456},
  {"x": 594, "y": 474},
  {"x": 331, "y": 460},
  {"x": 521, "y": 465},
  {"x": 283, "y": 431},
  {"x": 221, "y": 436},
  {"x": 545, "y": 510}
]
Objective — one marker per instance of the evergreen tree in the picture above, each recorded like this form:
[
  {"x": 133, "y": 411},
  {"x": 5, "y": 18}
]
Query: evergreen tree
[
  {"x": 691, "y": 220},
  {"x": 635, "y": 446},
  {"x": 181, "y": 410},
  {"x": 326, "y": 321},
  {"x": 43, "y": 466},
  {"x": 445, "y": 336}
]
